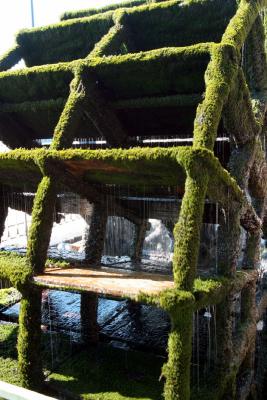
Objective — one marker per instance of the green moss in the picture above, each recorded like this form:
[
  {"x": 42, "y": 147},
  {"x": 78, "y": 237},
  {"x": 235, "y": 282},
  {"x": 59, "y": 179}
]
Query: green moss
[
  {"x": 29, "y": 340},
  {"x": 177, "y": 368},
  {"x": 240, "y": 25},
  {"x": 187, "y": 232},
  {"x": 8, "y": 354},
  {"x": 66, "y": 41},
  {"x": 152, "y": 73},
  {"x": 41, "y": 226},
  {"x": 92, "y": 11},
  {"x": 169, "y": 300},
  {"x": 8, "y": 296},
  {"x": 15, "y": 269},
  {"x": 254, "y": 63},
  {"x": 103, "y": 79},
  {"x": 238, "y": 116},
  {"x": 219, "y": 76},
  {"x": 70, "y": 118},
  {"x": 10, "y": 58},
  {"x": 36, "y": 84},
  {"x": 134, "y": 375},
  {"x": 111, "y": 43},
  {"x": 155, "y": 25}
]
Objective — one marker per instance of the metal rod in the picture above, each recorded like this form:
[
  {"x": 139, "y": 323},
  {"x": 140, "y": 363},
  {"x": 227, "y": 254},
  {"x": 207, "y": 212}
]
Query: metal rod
[{"x": 32, "y": 13}]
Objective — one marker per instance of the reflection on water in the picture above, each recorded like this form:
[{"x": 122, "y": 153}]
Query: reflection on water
[{"x": 139, "y": 326}]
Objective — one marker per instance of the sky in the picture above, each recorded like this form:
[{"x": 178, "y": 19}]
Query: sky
[{"x": 16, "y": 15}]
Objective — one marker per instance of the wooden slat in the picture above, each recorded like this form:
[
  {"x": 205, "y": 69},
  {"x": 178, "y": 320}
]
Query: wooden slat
[{"x": 105, "y": 281}]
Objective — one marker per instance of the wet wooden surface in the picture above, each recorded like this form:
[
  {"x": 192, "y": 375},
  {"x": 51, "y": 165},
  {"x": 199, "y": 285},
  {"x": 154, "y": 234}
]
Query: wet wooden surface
[{"x": 105, "y": 281}]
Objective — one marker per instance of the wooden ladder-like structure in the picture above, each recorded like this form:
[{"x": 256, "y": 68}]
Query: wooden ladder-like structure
[{"x": 172, "y": 68}]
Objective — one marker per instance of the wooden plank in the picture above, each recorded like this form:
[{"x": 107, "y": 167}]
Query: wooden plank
[
  {"x": 12, "y": 392},
  {"x": 106, "y": 281}
]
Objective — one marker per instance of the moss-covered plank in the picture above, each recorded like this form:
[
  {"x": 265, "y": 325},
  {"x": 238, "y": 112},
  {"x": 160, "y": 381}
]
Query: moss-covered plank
[
  {"x": 165, "y": 71},
  {"x": 37, "y": 83},
  {"x": 155, "y": 25},
  {"x": 65, "y": 41}
]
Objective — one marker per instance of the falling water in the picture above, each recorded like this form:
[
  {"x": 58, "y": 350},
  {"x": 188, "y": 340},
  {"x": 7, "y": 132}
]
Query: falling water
[{"x": 50, "y": 329}]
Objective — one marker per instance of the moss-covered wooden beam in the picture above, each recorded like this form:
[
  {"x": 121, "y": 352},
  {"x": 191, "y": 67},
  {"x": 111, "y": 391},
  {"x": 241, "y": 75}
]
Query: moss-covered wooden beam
[
  {"x": 111, "y": 43},
  {"x": 29, "y": 339},
  {"x": 221, "y": 72},
  {"x": 10, "y": 58},
  {"x": 41, "y": 225},
  {"x": 100, "y": 114},
  {"x": 14, "y": 133},
  {"x": 254, "y": 58},
  {"x": 46, "y": 82},
  {"x": 93, "y": 194},
  {"x": 238, "y": 115},
  {"x": 70, "y": 118},
  {"x": 65, "y": 41},
  {"x": 188, "y": 100},
  {"x": 241, "y": 24},
  {"x": 205, "y": 292},
  {"x": 35, "y": 106},
  {"x": 258, "y": 174},
  {"x": 92, "y": 11},
  {"x": 187, "y": 229},
  {"x": 162, "y": 166},
  {"x": 177, "y": 369},
  {"x": 155, "y": 72}
]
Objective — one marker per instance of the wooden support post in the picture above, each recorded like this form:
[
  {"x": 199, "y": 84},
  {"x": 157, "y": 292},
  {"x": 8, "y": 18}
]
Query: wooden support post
[
  {"x": 229, "y": 241},
  {"x": 177, "y": 369},
  {"x": 41, "y": 226},
  {"x": 94, "y": 241},
  {"x": 225, "y": 345},
  {"x": 93, "y": 252},
  {"x": 140, "y": 234},
  {"x": 30, "y": 364},
  {"x": 29, "y": 339},
  {"x": 101, "y": 115},
  {"x": 187, "y": 232}
]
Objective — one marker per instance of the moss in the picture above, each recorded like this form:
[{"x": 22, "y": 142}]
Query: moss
[
  {"x": 88, "y": 375},
  {"x": 111, "y": 43},
  {"x": 71, "y": 116},
  {"x": 164, "y": 101},
  {"x": 15, "y": 269},
  {"x": 187, "y": 232},
  {"x": 10, "y": 58},
  {"x": 241, "y": 24},
  {"x": 164, "y": 71},
  {"x": 146, "y": 23},
  {"x": 238, "y": 115},
  {"x": 254, "y": 62},
  {"x": 219, "y": 76},
  {"x": 66, "y": 41},
  {"x": 41, "y": 226},
  {"x": 93, "y": 11},
  {"x": 169, "y": 300},
  {"x": 36, "y": 84},
  {"x": 8, "y": 296},
  {"x": 177, "y": 369},
  {"x": 29, "y": 340},
  {"x": 104, "y": 79},
  {"x": 161, "y": 166}
]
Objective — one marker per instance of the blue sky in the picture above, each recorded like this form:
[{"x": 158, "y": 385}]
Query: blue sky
[{"x": 16, "y": 15}]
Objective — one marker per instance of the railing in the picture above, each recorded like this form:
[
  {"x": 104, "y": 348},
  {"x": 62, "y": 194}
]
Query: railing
[{"x": 12, "y": 392}]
